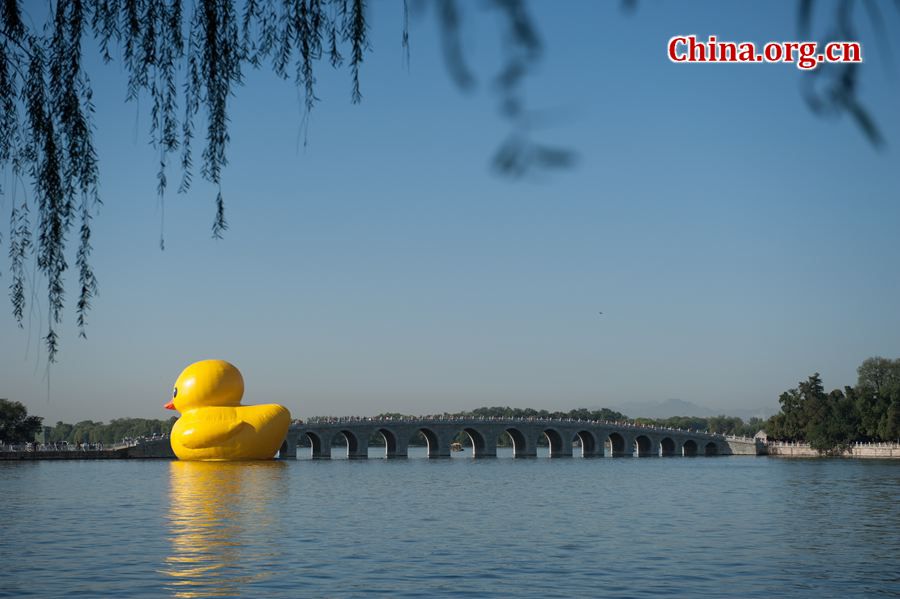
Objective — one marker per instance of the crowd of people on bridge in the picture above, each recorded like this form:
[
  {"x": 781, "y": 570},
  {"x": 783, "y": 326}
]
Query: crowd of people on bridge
[{"x": 449, "y": 418}]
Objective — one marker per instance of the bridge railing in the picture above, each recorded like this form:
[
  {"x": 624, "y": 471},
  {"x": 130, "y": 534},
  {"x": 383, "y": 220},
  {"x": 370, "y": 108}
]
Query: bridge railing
[
  {"x": 446, "y": 419},
  {"x": 860, "y": 444}
]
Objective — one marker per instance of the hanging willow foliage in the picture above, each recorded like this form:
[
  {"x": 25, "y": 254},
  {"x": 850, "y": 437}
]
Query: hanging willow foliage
[
  {"x": 46, "y": 131},
  {"x": 46, "y": 123},
  {"x": 46, "y": 138}
]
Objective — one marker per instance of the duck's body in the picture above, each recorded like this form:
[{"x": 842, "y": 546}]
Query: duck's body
[
  {"x": 213, "y": 424},
  {"x": 230, "y": 433}
]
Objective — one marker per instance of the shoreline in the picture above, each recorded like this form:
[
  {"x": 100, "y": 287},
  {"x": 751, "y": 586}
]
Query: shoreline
[
  {"x": 860, "y": 451},
  {"x": 153, "y": 450},
  {"x": 162, "y": 451}
]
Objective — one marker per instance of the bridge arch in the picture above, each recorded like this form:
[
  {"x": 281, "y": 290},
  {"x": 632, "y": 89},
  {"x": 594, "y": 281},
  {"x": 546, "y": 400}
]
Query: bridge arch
[
  {"x": 617, "y": 445},
  {"x": 480, "y": 447},
  {"x": 689, "y": 449},
  {"x": 317, "y": 446},
  {"x": 520, "y": 443},
  {"x": 667, "y": 447},
  {"x": 354, "y": 443},
  {"x": 596, "y": 438},
  {"x": 643, "y": 446},
  {"x": 589, "y": 444},
  {"x": 390, "y": 441},
  {"x": 431, "y": 438},
  {"x": 557, "y": 444}
]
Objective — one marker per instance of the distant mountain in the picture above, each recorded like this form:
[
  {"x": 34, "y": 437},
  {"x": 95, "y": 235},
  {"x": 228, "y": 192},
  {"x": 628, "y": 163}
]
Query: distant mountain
[{"x": 680, "y": 407}]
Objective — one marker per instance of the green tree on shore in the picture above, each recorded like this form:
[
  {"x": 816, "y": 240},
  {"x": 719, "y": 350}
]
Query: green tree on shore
[
  {"x": 870, "y": 411},
  {"x": 16, "y": 426},
  {"x": 877, "y": 390},
  {"x": 891, "y": 424},
  {"x": 88, "y": 431}
]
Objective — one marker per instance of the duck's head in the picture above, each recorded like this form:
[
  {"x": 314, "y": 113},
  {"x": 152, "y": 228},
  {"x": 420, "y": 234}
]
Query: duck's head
[{"x": 207, "y": 383}]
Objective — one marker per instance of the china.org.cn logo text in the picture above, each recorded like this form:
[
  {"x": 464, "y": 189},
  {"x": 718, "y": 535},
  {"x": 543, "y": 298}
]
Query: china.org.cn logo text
[{"x": 806, "y": 55}]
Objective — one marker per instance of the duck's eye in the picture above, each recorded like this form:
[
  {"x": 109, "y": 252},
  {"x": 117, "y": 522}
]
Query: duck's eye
[{"x": 175, "y": 393}]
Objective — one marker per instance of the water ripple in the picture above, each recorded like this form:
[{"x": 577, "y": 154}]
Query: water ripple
[{"x": 490, "y": 528}]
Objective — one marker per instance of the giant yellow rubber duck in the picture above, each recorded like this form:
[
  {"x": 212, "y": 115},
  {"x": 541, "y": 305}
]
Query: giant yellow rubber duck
[{"x": 214, "y": 425}]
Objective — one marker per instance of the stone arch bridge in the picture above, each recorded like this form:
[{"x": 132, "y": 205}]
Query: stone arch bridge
[{"x": 596, "y": 438}]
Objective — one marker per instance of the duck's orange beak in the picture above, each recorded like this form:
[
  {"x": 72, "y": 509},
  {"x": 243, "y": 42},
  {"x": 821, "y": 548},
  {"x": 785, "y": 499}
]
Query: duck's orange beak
[{"x": 170, "y": 405}]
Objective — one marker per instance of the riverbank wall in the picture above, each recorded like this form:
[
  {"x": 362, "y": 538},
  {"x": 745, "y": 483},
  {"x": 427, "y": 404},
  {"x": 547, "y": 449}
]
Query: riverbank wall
[
  {"x": 744, "y": 446},
  {"x": 857, "y": 450},
  {"x": 150, "y": 450}
]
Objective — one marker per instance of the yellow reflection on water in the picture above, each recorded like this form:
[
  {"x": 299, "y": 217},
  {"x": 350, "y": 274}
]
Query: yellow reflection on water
[{"x": 222, "y": 525}]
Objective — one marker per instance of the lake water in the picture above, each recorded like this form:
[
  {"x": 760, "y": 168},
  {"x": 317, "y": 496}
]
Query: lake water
[{"x": 702, "y": 527}]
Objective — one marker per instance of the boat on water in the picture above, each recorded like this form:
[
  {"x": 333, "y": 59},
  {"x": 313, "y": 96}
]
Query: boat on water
[{"x": 456, "y": 446}]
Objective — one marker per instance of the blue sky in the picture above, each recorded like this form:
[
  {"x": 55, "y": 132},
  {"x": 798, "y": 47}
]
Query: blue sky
[{"x": 735, "y": 242}]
